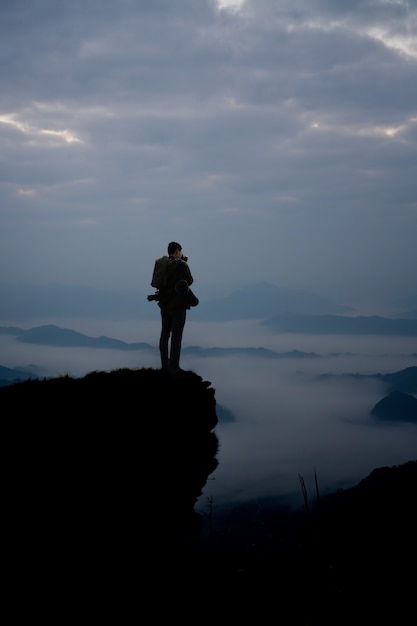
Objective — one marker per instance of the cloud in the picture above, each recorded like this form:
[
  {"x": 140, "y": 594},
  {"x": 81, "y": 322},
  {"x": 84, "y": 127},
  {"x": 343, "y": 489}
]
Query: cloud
[{"x": 283, "y": 132}]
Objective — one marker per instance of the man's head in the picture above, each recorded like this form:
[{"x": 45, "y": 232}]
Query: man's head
[{"x": 174, "y": 249}]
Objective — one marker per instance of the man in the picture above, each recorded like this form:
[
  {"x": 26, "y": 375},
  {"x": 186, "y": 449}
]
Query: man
[{"x": 174, "y": 298}]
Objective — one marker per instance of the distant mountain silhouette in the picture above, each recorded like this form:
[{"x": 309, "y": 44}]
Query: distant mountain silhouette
[
  {"x": 262, "y": 300},
  {"x": 396, "y": 407},
  {"x": 9, "y": 375},
  {"x": 404, "y": 380},
  {"x": 224, "y": 414},
  {"x": 341, "y": 325},
  {"x": 53, "y": 335},
  {"x": 399, "y": 405},
  {"x": 257, "y": 301},
  {"x": 10, "y": 330},
  {"x": 264, "y": 353}
]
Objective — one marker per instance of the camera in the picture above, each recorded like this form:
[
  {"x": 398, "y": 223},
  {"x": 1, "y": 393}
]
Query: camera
[{"x": 184, "y": 258}]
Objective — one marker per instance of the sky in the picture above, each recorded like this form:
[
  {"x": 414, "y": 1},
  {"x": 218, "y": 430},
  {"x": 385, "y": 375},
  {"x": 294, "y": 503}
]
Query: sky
[{"x": 276, "y": 140}]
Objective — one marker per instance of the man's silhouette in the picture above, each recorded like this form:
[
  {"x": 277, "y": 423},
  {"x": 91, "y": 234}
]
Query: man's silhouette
[{"x": 174, "y": 299}]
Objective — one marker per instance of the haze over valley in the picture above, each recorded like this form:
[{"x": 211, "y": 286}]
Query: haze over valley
[{"x": 280, "y": 414}]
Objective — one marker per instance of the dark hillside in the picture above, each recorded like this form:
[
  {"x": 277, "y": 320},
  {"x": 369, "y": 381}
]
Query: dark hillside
[
  {"x": 397, "y": 405},
  {"x": 346, "y": 558},
  {"x": 128, "y": 436},
  {"x": 102, "y": 475}
]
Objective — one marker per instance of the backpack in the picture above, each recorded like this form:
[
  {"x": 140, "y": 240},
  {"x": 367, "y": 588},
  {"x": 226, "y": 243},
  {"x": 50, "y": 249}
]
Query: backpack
[{"x": 160, "y": 273}]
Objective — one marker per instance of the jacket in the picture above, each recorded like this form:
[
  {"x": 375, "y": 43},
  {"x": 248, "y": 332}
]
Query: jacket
[{"x": 169, "y": 300}]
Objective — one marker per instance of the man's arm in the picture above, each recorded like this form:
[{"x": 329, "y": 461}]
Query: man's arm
[{"x": 186, "y": 273}]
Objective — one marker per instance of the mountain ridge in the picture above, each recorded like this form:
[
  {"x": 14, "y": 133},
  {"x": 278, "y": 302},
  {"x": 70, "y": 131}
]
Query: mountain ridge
[
  {"x": 341, "y": 325},
  {"x": 255, "y": 301}
]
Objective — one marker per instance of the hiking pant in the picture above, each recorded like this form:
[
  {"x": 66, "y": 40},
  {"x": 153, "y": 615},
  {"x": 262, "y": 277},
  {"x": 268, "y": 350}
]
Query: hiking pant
[{"x": 172, "y": 327}]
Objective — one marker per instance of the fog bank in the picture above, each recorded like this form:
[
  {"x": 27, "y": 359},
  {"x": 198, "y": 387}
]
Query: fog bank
[{"x": 288, "y": 421}]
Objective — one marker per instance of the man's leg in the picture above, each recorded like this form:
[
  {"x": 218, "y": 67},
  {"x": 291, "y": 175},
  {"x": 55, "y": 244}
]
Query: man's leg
[
  {"x": 177, "y": 327},
  {"x": 166, "y": 321}
]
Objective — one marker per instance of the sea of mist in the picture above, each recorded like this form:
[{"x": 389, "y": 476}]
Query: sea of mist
[{"x": 288, "y": 422}]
